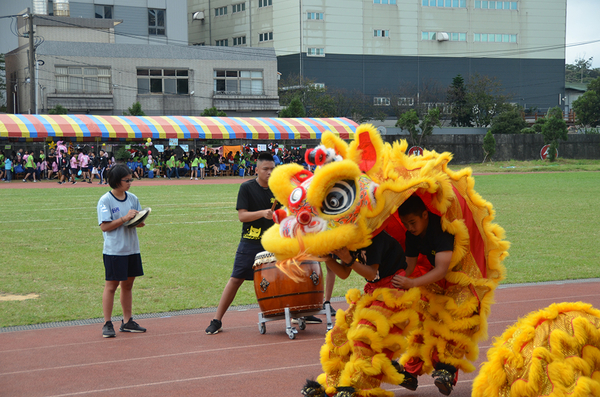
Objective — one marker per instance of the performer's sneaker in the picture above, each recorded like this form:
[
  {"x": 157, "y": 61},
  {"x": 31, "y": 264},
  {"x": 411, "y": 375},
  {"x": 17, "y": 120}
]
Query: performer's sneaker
[
  {"x": 308, "y": 320},
  {"x": 131, "y": 326},
  {"x": 410, "y": 381},
  {"x": 346, "y": 392},
  {"x": 214, "y": 327},
  {"x": 108, "y": 331},
  {"x": 444, "y": 379},
  {"x": 313, "y": 389}
]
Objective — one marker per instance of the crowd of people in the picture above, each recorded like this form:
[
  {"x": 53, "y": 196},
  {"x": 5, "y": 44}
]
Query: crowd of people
[{"x": 83, "y": 165}]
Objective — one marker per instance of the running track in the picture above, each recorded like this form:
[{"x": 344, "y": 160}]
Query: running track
[{"x": 176, "y": 358}]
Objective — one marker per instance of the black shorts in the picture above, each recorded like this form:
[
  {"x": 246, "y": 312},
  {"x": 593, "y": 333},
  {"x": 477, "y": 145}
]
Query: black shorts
[
  {"x": 244, "y": 259},
  {"x": 65, "y": 171},
  {"x": 120, "y": 268},
  {"x": 30, "y": 170},
  {"x": 84, "y": 169}
]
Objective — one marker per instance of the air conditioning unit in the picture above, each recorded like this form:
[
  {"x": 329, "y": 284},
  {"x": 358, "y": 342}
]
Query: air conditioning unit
[
  {"x": 442, "y": 36},
  {"x": 198, "y": 16}
]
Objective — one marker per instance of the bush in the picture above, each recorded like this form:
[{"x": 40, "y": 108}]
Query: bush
[
  {"x": 509, "y": 122},
  {"x": 135, "y": 110},
  {"x": 489, "y": 145},
  {"x": 213, "y": 112},
  {"x": 58, "y": 109}
]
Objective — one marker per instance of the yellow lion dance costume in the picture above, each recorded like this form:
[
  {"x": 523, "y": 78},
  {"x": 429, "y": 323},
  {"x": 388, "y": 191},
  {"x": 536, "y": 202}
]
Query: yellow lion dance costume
[
  {"x": 553, "y": 352},
  {"x": 354, "y": 193}
]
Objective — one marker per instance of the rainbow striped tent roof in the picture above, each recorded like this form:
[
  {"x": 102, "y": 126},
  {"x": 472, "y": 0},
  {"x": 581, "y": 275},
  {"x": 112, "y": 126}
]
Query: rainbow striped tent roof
[{"x": 83, "y": 127}]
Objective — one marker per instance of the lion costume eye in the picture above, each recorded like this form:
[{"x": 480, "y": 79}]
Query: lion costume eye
[
  {"x": 297, "y": 196},
  {"x": 339, "y": 198}
]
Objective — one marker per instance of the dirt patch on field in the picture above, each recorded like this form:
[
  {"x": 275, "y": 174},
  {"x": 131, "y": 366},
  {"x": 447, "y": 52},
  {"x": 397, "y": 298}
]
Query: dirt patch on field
[{"x": 7, "y": 297}]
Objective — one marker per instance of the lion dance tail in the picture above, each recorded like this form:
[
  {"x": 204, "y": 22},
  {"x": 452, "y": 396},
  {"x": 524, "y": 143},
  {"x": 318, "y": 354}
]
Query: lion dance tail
[{"x": 552, "y": 352}]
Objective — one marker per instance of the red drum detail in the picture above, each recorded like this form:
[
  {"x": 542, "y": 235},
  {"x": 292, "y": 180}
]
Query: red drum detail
[{"x": 275, "y": 291}]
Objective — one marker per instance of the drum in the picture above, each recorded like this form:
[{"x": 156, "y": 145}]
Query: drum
[{"x": 275, "y": 291}]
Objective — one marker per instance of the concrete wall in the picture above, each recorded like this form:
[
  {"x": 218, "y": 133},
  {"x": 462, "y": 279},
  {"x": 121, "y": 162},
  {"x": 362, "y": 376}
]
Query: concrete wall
[{"x": 523, "y": 147}]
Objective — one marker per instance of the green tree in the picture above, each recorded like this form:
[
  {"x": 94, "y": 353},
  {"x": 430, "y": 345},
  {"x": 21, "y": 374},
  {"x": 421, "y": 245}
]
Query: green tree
[
  {"x": 510, "y": 121},
  {"x": 485, "y": 97},
  {"x": 307, "y": 90},
  {"x": 410, "y": 121},
  {"x": 462, "y": 113},
  {"x": 213, "y": 112},
  {"x": 135, "y": 110},
  {"x": 295, "y": 109},
  {"x": 587, "y": 106},
  {"x": 580, "y": 71},
  {"x": 554, "y": 129},
  {"x": 489, "y": 145},
  {"x": 122, "y": 154},
  {"x": 58, "y": 109}
]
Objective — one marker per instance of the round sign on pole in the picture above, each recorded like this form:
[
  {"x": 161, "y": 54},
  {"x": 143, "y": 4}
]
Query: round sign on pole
[
  {"x": 415, "y": 151},
  {"x": 546, "y": 151}
]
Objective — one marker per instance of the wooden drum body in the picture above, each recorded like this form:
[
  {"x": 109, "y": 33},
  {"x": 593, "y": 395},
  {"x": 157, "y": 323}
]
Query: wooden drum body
[{"x": 275, "y": 291}]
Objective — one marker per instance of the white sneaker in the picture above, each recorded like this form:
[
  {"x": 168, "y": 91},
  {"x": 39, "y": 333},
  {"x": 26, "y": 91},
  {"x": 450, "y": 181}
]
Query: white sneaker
[
  {"x": 196, "y": 179},
  {"x": 191, "y": 179}
]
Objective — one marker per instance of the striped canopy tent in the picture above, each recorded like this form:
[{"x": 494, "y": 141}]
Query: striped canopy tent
[{"x": 88, "y": 127}]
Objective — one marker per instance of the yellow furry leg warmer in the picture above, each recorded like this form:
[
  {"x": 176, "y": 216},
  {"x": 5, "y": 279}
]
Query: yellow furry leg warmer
[{"x": 359, "y": 350}]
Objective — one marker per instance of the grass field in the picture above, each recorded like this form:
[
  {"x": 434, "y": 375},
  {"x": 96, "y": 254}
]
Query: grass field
[{"x": 52, "y": 245}]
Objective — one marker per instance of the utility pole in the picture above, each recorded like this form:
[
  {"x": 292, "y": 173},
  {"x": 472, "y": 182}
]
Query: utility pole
[{"x": 32, "y": 82}]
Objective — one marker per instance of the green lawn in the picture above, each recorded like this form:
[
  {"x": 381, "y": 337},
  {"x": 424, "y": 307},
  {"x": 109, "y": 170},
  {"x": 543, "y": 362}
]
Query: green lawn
[{"x": 52, "y": 245}]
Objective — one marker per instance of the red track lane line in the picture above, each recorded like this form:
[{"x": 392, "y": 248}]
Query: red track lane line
[
  {"x": 112, "y": 362},
  {"x": 166, "y": 382}
]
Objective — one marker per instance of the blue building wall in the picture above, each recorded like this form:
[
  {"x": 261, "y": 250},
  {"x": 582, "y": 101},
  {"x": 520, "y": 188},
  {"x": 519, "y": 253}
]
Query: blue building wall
[{"x": 529, "y": 82}]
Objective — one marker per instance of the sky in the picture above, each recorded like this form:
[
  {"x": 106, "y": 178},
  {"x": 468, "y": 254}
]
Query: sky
[{"x": 583, "y": 24}]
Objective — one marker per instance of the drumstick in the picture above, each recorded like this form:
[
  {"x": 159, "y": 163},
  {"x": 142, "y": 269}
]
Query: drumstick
[{"x": 274, "y": 205}]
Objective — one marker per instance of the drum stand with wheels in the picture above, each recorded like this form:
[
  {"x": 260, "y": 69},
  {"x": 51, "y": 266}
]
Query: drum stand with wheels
[{"x": 292, "y": 331}]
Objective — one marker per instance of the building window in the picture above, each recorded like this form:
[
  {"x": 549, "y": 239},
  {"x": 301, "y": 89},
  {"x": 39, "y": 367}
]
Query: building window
[
  {"x": 403, "y": 101},
  {"x": 220, "y": 11},
  {"x": 104, "y": 12},
  {"x": 381, "y": 101},
  {"x": 222, "y": 43},
  {"x": 496, "y": 5},
  {"x": 392, "y": 2},
  {"x": 315, "y": 52},
  {"x": 494, "y": 38},
  {"x": 156, "y": 22},
  {"x": 163, "y": 81},
  {"x": 445, "y": 3},
  {"x": 452, "y": 36},
  {"x": 238, "y": 8},
  {"x": 315, "y": 16},
  {"x": 238, "y": 82},
  {"x": 265, "y": 36},
  {"x": 239, "y": 40},
  {"x": 381, "y": 33},
  {"x": 202, "y": 44},
  {"x": 265, "y": 3},
  {"x": 77, "y": 79}
]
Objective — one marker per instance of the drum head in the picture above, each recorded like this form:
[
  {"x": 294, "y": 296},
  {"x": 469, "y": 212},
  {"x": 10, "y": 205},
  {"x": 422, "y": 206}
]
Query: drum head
[{"x": 138, "y": 218}]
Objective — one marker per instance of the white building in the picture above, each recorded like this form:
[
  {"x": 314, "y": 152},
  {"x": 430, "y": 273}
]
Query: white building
[
  {"x": 89, "y": 65},
  {"x": 382, "y": 45}
]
